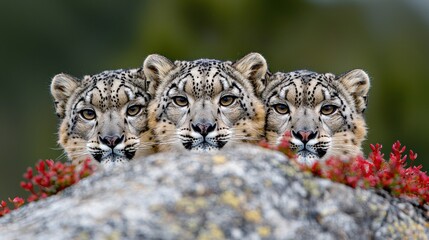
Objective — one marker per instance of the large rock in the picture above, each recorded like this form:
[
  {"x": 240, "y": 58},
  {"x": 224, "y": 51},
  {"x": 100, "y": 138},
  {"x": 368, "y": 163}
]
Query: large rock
[{"x": 247, "y": 193}]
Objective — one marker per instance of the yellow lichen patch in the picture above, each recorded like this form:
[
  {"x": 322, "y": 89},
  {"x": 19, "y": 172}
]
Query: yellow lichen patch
[
  {"x": 192, "y": 225},
  {"x": 288, "y": 170},
  {"x": 400, "y": 227},
  {"x": 411, "y": 229},
  {"x": 114, "y": 236},
  {"x": 212, "y": 233},
  {"x": 219, "y": 159},
  {"x": 229, "y": 198},
  {"x": 189, "y": 205},
  {"x": 311, "y": 187},
  {"x": 264, "y": 231},
  {"x": 419, "y": 232},
  {"x": 375, "y": 208},
  {"x": 253, "y": 216},
  {"x": 200, "y": 202},
  {"x": 173, "y": 226},
  {"x": 156, "y": 207},
  {"x": 84, "y": 236}
]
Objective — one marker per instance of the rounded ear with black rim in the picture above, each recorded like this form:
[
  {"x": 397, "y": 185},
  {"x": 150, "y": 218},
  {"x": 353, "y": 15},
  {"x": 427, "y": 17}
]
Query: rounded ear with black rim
[
  {"x": 253, "y": 67},
  {"x": 357, "y": 83},
  {"x": 156, "y": 68},
  {"x": 62, "y": 87}
]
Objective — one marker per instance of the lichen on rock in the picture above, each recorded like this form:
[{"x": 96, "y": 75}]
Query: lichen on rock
[{"x": 245, "y": 193}]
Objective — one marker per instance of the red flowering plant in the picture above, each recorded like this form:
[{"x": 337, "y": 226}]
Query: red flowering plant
[
  {"x": 50, "y": 178},
  {"x": 283, "y": 146},
  {"x": 395, "y": 175}
]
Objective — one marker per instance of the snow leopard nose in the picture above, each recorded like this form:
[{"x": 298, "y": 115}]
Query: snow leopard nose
[
  {"x": 204, "y": 128},
  {"x": 111, "y": 141},
  {"x": 304, "y": 136}
]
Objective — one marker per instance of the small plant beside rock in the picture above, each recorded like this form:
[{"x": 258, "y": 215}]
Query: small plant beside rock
[
  {"x": 48, "y": 179},
  {"x": 399, "y": 177}
]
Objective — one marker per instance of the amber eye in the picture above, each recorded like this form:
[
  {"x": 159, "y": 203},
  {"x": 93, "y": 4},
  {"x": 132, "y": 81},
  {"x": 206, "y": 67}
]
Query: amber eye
[
  {"x": 328, "y": 109},
  {"x": 281, "y": 108},
  {"x": 134, "y": 110},
  {"x": 180, "y": 101},
  {"x": 227, "y": 100},
  {"x": 87, "y": 114}
]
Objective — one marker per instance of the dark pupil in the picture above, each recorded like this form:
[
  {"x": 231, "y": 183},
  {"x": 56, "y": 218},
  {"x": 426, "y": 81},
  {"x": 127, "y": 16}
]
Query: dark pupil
[
  {"x": 328, "y": 108},
  {"x": 226, "y": 99},
  {"x": 282, "y": 108},
  {"x": 181, "y": 100}
]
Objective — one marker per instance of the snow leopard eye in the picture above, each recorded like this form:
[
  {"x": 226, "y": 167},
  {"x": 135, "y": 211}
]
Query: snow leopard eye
[
  {"x": 281, "y": 108},
  {"x": 227, "y": 100},
  {"x": 180, "y": 101},
  {"x": 134, "y": 110},
  {"x": 328, "y": 109},
  {"x": 88, "y": 114}
]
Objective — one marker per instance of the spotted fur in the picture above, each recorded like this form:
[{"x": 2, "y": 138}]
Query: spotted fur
[
  {"x": 189, "y": 110},
  {"x": 117, "y": 101},
  {"x": 323, "y": 112}
]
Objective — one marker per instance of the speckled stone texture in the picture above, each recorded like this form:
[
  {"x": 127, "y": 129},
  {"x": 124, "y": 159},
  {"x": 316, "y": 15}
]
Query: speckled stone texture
[{"x": 245, "y": 193}]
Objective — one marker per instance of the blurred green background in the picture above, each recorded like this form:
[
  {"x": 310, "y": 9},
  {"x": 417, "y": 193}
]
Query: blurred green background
[{"x": 38, "y": 39}]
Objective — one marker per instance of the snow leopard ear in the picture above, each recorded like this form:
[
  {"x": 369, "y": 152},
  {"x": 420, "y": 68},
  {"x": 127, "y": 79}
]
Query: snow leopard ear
[
  {"x": 62, "y": 87},
  {"x": 253, "y": 67},
  {"x": 357, "y": 83},
  {"x": 156, "y": 68}
]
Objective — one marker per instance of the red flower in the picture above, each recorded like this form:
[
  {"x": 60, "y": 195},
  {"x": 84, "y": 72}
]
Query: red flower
[
  {"x": 393, "y": 175},
  {"x": 50, "y": 178},
  {"x": 17, "y": 201}
]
